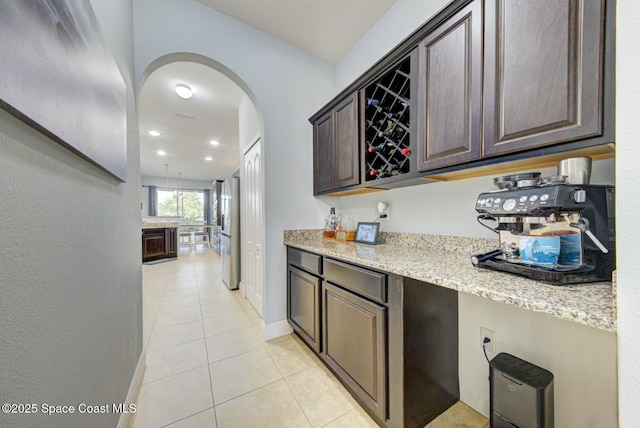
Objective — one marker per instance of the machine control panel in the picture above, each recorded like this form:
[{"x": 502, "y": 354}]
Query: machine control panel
[{"x": 531, "y": 200}]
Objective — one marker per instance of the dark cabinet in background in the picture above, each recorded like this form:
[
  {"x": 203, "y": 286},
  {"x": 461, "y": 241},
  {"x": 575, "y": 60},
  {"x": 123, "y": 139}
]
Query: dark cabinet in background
[
  {"x": 159, "y": 243},
  {"x": 543, "y": 73},
  {"x": 450, "y": 91},
  {"x": 335, "y": 148}
]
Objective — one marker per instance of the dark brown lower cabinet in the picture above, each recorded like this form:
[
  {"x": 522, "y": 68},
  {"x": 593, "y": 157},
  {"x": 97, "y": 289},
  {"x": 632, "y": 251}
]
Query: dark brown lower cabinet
[
  {"x": 391, "y": 341},
  {"x": 355, "y": 345},
  {"x": 303, "y": 305},
  {"x": 159, "y": 243}
]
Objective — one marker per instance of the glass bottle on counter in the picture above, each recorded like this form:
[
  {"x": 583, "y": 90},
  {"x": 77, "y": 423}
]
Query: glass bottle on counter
[{"x": 330, "y": 225}]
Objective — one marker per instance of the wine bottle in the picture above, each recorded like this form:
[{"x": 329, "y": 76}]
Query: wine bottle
[
  {"x": 393, "y": 133},
  {"x": 388, "y": 170},
  {"x": 372, "y": 102},
  {"x": 405, "y": 152},
  {"x": 384, "y": 148}
]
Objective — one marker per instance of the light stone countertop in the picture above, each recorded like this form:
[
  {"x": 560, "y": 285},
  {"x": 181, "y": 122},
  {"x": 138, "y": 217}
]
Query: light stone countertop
[
  {"x": 160, "y": 225},
  {"x": 155, "y": 222},
  {"x": 445, "y": 261}
]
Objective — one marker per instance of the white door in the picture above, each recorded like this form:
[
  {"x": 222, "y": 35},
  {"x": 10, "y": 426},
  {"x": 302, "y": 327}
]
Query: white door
[{"x": 252, "y": 280}]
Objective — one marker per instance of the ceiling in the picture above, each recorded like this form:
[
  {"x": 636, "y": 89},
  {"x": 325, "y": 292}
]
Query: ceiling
[
  {"x": 187, "y": 126},
  {"x": 325, "y": 28}
]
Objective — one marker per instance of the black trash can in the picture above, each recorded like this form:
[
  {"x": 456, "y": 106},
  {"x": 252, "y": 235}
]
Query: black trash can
[{"x": 521, "y": 394}]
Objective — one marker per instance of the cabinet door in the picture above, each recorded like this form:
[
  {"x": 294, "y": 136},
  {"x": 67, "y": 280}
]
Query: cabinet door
[
  {"x": 323, "y": 154},
  {"x": 346, "y": 160},
  {"x": 354, "y": 345},
  {"x": 542, "y": 73},
  {"x": 153, "y": 244},
  {"x": 303, "y": 306},
  {"x": 171, "y": 242},
  {"x": 450, "y": 91}
]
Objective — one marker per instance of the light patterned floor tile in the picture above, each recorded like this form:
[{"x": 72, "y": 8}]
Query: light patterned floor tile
[
  {"x": 270, "y": 406},
  {"x": 243, "y": 373},
  {"x": 206, "y": 419},
  {"x": 291, "y": 355},
  {"x": 321, "y": 396},
  {"x": 173, "y": 398},
  {"x": 356, "y": 418},
  {"x": 175, "y": 359},
  {"x": 174, "y": 335},
  {"x": 459, "y": 416},
  {"x": 236, "y": 342},
  {"x": 224, "y": 321}
]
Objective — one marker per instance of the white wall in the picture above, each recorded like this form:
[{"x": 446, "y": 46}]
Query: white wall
[
  {"x": 249, "y": 125},
  {"x": 289, "y": 85},
  {"x": 628, "y": 207},
  {"x": 442, "y": 208},
  {"x": 70, "y": 271},
  {"x": 402, "y": 19},
  {"x": 582, "y": 359}
]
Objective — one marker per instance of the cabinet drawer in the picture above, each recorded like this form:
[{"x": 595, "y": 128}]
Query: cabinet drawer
[
  {"x": 307, "y": 261},
  {"x": 367, "y": 283}
]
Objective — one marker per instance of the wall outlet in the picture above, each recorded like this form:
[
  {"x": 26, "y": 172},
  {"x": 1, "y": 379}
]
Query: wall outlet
[
  {"x": 485, "y": 333},
  {"x": 383, "y": 211}
]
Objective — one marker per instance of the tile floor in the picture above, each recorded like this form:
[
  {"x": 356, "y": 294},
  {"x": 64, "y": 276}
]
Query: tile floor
[{"x": 207, "y": 365}]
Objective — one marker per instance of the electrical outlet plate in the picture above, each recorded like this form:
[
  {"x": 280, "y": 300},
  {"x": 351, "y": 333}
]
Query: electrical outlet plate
[
  {"x": 383, "y": 211},
  {"x": 486, "y": 333}
]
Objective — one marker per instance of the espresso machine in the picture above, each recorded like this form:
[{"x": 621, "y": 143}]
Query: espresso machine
[{"x": 526, "y": 209}]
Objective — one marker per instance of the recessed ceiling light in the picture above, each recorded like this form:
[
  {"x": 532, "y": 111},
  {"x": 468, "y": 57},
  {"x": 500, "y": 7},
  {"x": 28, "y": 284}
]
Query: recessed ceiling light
[
  {"x": 161, "y": 152},
  {"x": 154, "y": 133},
  {"x": 183, "y": 91},
  {"x": 214, "y": 142},
  {"x": 209, "y": 158}
]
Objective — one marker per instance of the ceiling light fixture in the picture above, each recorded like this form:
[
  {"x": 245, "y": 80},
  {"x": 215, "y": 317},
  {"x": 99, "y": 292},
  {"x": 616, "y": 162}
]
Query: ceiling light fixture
[
  {"x": 161, "y": 152},
  {"x": 214, "y": 142},
  {"x": 183, "y": 91},
  {"x": 209, "y": 158},
  {"x": 154, "y": 133}
]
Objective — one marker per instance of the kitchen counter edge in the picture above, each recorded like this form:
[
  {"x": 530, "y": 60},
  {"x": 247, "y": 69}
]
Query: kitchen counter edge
[{"x": 587, "y": 304}]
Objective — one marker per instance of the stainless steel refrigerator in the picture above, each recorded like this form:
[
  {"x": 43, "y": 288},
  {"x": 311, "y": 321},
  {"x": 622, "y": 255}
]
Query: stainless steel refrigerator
[{"x": 230, "y": 231}]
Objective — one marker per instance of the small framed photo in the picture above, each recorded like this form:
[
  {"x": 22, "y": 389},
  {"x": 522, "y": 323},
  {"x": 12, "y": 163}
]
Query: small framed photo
[{"x": 367, "y": 233}]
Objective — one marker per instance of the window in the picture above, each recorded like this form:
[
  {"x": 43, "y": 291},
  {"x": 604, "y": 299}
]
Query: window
[{"x": 188, "y": 204}]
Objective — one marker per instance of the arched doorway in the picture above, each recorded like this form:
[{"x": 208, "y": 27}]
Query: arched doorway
[{"x": 188, "y": 133}]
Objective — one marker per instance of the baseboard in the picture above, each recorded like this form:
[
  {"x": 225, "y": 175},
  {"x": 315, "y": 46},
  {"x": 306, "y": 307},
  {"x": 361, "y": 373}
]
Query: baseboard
[
  {"x": 276, "y": 329},
  {"x": 134, "y": 388}
]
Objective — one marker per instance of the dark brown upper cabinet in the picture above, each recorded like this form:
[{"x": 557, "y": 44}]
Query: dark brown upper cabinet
[
  {"x": 335, "y": 147},
  {"x": 542, "y": 73},
  {"x": 450, "y": 91}
]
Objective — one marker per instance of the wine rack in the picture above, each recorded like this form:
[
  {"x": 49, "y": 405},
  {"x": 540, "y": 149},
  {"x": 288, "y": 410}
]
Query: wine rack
[{"x": 387, "y": 124}]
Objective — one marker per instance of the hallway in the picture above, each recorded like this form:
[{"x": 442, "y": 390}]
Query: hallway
[{"x": 208, "y": 366}]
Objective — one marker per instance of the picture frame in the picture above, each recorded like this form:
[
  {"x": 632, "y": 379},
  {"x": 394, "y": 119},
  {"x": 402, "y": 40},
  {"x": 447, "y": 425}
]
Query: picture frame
[
  {"x": 60, "y": 77},
  {"x": 367, "y": 233}
]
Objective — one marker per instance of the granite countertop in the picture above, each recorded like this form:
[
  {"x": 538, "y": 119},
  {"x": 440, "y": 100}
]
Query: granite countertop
[
  {"x": 154, "y": 222},
  {"x": 160, "y": 225},
  {"x": 445, "y": 261}
]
